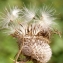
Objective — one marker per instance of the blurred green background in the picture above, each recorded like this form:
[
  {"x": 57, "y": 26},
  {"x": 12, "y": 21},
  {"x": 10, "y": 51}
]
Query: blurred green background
[{"x": 8, "y": 45}]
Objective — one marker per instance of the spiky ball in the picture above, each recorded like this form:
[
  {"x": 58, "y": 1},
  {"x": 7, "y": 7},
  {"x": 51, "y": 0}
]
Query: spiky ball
[{"x": 38, "y": 49}]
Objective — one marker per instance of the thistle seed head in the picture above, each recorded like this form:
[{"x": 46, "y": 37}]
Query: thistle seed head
[{"x": 33, "y": 31}]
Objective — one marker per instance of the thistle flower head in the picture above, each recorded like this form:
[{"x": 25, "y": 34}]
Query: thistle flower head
[{"x": 34, "y": 31}]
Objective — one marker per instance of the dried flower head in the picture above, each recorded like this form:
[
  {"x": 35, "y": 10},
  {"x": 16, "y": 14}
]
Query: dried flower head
[
  {"x": 32, "y": 32},
  {"x": 37, "y": 48}
]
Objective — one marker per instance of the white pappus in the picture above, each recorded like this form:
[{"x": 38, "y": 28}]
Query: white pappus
[
  {"x": 25, "y": 16},
  {"x": 9, "y": 16}
]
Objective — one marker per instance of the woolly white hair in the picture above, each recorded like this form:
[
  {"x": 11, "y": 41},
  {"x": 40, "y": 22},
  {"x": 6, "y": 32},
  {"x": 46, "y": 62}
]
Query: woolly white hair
[
  {"x": 46, "y": 20},
  {"x": 9, "y": 16},
  {"x": 26, "y": 16}
]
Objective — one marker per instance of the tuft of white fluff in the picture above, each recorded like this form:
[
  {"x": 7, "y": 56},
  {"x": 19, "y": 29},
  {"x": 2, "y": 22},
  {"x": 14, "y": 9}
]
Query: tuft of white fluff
[
  {"x": 28, "y": 14},
  {"x": 15, "y": 28},
  {"x": 47, "y": 20},
  {"x": 27, "y": 17},
  {"x": 10, "y": 16}
]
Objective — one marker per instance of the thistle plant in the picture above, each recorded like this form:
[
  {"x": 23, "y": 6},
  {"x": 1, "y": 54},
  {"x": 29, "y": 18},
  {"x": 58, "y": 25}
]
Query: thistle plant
[{"x": 32, "y": 29}]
